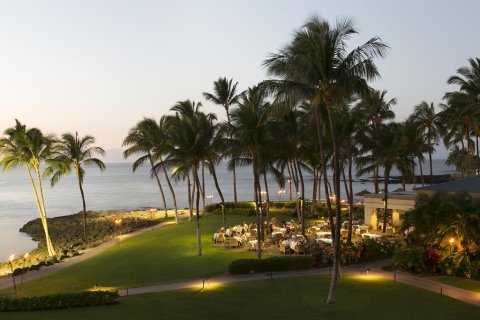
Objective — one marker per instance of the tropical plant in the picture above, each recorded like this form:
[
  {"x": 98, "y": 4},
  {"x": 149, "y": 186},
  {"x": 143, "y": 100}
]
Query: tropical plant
[
  {"x": 225, "y": 94},
  {"x": 72, "y": 153},
  {"x": 22, "y": 147},
  {"x": 252, "y": 123},
  {"x": 427, "y": 120},
  {"x": 317, "y": 66}
]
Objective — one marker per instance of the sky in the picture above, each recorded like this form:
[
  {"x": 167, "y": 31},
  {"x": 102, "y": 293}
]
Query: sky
[{"x": 98, "y": 67}]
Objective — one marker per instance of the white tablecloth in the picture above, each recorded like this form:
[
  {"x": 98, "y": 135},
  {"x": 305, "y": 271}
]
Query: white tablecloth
[
  {"x": 371, "y": 236},
  {"x": 324, "y": 240},
  {"x": 324, "y": 234}
]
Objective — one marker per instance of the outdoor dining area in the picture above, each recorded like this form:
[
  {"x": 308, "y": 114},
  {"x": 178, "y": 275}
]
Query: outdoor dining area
[{"x": 286, "y": 237}]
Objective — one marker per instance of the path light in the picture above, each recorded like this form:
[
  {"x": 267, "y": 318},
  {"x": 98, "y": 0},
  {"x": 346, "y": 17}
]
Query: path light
[
  {"x": 25, "y": 256},
  {"x": 118, "y": 222},
  {"x": 451, "y": 241},
  {"x": 209, "y": 198},
  {"x": 10, "y": 262}
]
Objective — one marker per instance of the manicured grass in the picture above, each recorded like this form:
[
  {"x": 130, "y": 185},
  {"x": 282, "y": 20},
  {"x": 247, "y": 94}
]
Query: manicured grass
[
  {"x": 167, "y": 254},
  {"x": 299, "y": 298},
  {"x": 466, "y": 284}
]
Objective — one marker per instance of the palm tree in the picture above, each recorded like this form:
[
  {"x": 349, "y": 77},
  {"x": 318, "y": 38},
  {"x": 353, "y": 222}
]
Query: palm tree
[
  {"x": 29, "y": 148},
  {"x": 375, "y": 109},
  {"x": 426, "y": 119},
  {"x": 317, "y": 66},
  {"x": 72, "y": 153},
  {"x": 468, "y": 97},
  {"x": 225, "y": 94},
  {"x": 393, "y": 147},
  {"x": 251, "y": 123},
  {"x": 190, "y": 136},
  {"x": 141, "y": 140}
]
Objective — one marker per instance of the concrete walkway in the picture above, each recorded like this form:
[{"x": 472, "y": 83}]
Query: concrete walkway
[
  {"x": 375, "y": 269},
  {"x": 44, "y": 271}
]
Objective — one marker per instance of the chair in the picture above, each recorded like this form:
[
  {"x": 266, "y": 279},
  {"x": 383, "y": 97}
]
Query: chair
[
  {"x": 283, "y": 249},
  {"x": 233, "y": 243},
  {"x": 220, "y": 238},
  {"x": 344, "y": 234},
  {"x": 300, "y": 249},
  {"x": 389, "y": 232}
]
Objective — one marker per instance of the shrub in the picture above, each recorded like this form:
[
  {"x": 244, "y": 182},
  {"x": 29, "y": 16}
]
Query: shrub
[
  {"x": 379, "y": 249},
  {"x": 411, "y": 259},
  {"x": 284, "y": 263},
  {"x": 59, "y": 301}
]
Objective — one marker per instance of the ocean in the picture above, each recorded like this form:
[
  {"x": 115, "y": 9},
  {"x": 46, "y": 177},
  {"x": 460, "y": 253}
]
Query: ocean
[{"x": 118, "y": 188}]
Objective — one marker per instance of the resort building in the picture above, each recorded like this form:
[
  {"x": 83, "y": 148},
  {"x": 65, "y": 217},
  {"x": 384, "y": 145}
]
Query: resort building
[{"x": 403, "y": 201}]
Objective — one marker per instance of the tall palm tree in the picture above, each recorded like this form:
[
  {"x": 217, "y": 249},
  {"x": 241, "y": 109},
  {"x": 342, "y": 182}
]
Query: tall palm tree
[
  {"x": 251, "y": 122},
  {"x": 71, "y": 152},
  {"x": 428, "y": 124},
  {"x": 317, "y": 66},
  {"x": 392, "y": 151},
  {"x": 468, "y": 79},
  {"x": 375, "y": 109},
  {"x": 225, "y": 94},
  {"x": 190, "y": 135},
  {"x": 141, "y": 140},
  {"x": 29, "y": 148}
]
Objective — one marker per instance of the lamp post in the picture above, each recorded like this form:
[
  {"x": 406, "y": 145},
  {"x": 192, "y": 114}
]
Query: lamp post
[
  {"x": 10, "y": 262},
  {"x": 209, "y": 199},
  {"x": 118, "y": 223},
  {"x": 451, "y": 241},
  {"x": 25, "y": 256}
]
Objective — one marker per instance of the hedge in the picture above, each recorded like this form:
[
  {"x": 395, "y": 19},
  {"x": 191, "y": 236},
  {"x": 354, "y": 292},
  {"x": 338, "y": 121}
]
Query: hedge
[
  {"x": 59, "y": 301},
  {"x": 283, "y": 263}
]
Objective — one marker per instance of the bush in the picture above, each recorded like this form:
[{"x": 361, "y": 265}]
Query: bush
[
  {"x": 284, "y": 263},
  {"x": 379, "y": 249},
  {"x": 59, "y": 301},
  {"x": 411, "y": 259}
]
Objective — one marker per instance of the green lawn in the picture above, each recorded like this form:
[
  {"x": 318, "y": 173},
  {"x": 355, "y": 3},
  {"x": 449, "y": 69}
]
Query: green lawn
[
  {"x": 298, "y": 298},
  {"x": 167, "y": 254},
  {"x": 466, "y": 284}
]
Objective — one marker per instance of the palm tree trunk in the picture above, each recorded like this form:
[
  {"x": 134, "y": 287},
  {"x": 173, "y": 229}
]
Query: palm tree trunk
[
  {"x": 190, "y": 204},
  {"x": 420, "y": 162},
  {"x": 203, "y": 187},
  {"x": 50, "y": 247},
  {"x": 385, "y": 201},
  {"x": 214, "y": 174},
  {"x": 477, "y": 160},
  {"x": 43, "y": 217},
  {"x": 338, "y": 213},
  {"x": 234, "y": 184},
  {"x": 289, "y": 181},
  {"x": 85, "y": 237},
  {"x": 323, "y": 173},
  {"x": 375, "y": 178},
  {"x": 197, "y": 213},
  {"x": 257, "y": 208},
  {"x": 171, "y": 191},
  {"x": 159, "y": 184},
  {"x": 350, "y": 200},
  {"x": 463, "y": 159},
  {"x": 267, "y": 205},
  {"x": 302, "y": 200},
  {"x": 313, "y": 208},
  {"x": 430, "y": 161}
]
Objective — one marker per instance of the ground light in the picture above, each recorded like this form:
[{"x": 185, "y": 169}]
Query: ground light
[{"x": 10, "y": 262}]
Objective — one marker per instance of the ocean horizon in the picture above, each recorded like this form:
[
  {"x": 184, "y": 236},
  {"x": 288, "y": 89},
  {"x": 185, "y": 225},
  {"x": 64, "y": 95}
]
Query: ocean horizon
[{"x": 118, "y": 188}]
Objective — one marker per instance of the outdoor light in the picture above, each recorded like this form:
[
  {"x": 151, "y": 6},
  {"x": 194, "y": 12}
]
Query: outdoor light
[
  {"x": 451, "y": 241},
  {"x": 10, "y": 262}
]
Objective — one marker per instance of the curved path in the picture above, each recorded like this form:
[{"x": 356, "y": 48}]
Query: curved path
[
  {"x": 44, "y": 271},
  {"x": 375, "y": 270}
]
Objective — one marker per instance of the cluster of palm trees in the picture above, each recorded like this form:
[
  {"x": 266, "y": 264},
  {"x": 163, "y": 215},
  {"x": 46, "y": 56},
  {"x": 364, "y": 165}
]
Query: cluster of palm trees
[
  {"x": 48, "y": 156},
  {"x": 316, "y": 115}
]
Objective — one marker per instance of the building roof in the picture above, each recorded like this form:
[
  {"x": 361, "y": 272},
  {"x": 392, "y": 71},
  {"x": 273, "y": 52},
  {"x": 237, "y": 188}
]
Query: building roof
[{"x": 470, "y": 185}]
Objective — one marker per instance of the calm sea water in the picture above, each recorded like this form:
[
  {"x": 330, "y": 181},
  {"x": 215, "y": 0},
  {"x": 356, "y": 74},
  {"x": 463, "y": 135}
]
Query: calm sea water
[{"x": 119, "y": 188}]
